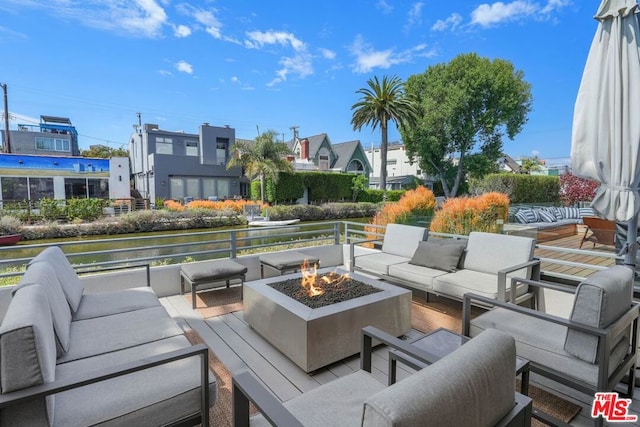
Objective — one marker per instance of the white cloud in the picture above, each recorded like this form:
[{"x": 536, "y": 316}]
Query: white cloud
[
  {"x": 182, "y": 31},
  {"x": 258, "y": 39},
  {"x": 144, "y": 18},
  {"x": 327, "y": 54},
  {"x": 414, "y": 17},
  {"x": 204, "y": 18},
  {"x": 165, "y": 72},
  {"x": 184, "y": 67},
  {"x": 486, "y": 15},
  {"x": 385, "y": 7},
  {"x": 554, "y": 5},
  {"x": 452, "y": 23},
  {"x": 367, "y": 58}
]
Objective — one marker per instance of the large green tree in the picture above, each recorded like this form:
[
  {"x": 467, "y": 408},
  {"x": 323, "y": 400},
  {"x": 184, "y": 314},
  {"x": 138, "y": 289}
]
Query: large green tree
[
  {"x": 263, "y": 158},
  {"x": 104, "y": 152},
  {"x": 380, "y": 103},
  {"x": 466, "y": 107}
]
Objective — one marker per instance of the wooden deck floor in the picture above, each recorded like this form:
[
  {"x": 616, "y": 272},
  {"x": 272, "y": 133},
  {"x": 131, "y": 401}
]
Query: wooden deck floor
[
  {"x": 240, "y": 348},
  {"x": 598, "y": 255}
]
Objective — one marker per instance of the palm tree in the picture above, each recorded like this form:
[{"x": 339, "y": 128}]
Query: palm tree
[
  {"x": 263, "y": 157},
  {"x": 381, "y": 102}
]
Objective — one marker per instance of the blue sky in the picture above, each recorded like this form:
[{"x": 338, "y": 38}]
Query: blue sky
[{"x": 275, "y": 64}]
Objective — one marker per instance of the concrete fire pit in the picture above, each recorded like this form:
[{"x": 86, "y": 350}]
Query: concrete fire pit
[{"x": 316, "y": 337}]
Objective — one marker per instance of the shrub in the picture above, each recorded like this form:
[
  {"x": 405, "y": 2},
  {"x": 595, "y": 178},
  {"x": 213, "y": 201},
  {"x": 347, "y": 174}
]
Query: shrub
[
  {"x": 418, "y": 202},
  {"x": 10, "y": 225},
  {"x": 574, "y": 189},
  {"x": 84, "y": 209},
  {"x": 375, "y": 196},
  {"x": 462, "y": 215},
  {"x": 51, "y": 209},
  {"x": 229, "y": 207},
  {"x": 174, "y": 206},
  {"x": 520, "y": 188}
]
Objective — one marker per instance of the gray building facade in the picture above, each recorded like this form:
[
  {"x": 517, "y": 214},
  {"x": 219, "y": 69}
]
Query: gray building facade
[
  {"x": 178, "y": 165},
  {"x": 54, "y": 136}
]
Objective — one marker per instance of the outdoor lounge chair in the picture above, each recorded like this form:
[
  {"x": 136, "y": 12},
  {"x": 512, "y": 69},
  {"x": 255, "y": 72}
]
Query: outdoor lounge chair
[
  {"x": 600, "y": 231},
  {"x": 473, "y": 386},
  {"x": 592, "y": 350}
]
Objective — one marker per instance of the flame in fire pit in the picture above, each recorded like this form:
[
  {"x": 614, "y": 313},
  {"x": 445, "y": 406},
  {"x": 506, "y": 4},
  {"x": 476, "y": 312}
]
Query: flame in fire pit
[{"x": 313, "y": 284}]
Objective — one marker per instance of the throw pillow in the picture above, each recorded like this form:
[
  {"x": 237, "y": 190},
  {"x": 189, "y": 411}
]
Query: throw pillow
[
  {"x": 438, "y": 255},
  {"x": 547, "y": 216}
]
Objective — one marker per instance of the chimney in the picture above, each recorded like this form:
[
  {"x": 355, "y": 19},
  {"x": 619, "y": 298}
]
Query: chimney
[{"x": 304, "y": 149}]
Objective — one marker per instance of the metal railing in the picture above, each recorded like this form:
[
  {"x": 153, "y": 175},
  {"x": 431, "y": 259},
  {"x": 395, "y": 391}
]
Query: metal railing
[{"x": 184, "y": 247}]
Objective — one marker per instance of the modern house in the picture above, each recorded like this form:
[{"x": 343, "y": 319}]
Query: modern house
[
  {"x": 54, "y": 136},
  {"x": 400, "y": 169},
  {"x": 45, "y": 162},
  {"x": 182, "y": 166}
]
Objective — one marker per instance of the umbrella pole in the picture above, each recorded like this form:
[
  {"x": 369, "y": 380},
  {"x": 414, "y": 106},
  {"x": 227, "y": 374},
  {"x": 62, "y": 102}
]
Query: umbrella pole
[{"x": 632, "y": 244}]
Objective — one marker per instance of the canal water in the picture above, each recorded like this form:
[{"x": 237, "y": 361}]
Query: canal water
[{"x": 168, "y": 246}]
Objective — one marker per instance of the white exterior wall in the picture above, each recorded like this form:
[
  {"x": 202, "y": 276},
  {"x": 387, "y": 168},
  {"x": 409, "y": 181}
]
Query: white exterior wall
[
  {"x": 395, "y": 154},
  {"x": 119, "y": 178}
]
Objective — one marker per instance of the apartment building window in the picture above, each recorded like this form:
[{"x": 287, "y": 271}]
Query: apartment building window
[
  {"x": 392, "y": 161},
  {"x": 52, "y": 144},
  {"x": 164, "y": 145},
  {"x": 191, "y": 148}
]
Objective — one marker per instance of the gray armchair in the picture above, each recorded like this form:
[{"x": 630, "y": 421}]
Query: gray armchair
[
  {"x": 472, "y": 386},
  {"x": 592, "y": 350}
]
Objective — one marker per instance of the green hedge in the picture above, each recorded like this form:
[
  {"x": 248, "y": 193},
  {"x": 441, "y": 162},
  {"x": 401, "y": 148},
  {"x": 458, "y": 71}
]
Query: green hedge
[
  {"x": 523, "y": 188},
  {"x": 324, "y": 211},
  {"x": 375, "y": 196},
  {"x": 323, "y": 187}
]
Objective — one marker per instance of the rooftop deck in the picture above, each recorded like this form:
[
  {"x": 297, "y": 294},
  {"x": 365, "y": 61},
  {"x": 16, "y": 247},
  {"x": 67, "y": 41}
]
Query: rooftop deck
[{"x": 238, "y": 347}]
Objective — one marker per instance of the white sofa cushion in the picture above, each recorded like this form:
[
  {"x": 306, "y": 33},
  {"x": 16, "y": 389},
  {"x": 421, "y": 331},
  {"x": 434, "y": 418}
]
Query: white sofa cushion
[
  {"x": 337, "y": 403},
  {"x": 27, "y": 355},
  {"x": 600, "y": 300},
  {"x": 155, "y": 396},
  {"x": 420, "y": 277},
  {"x": 108, "y": 303},
  {"x": 452, "y": 391},
  {"x": 42, "y": 273},
  {"x": 462, "y": 281},
  {"x": 490, "y": 253},
  {"x": 71, "y": 284},
  {"x": 402, "y": 240},
  {"x": 379, "y": 263},
  {"x": 119, "y": 331}
]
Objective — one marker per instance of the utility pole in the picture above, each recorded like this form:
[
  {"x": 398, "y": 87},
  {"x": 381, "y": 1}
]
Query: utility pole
[
  {"x": 7, "y": 137},
  {"x": 295, "y": 132}
]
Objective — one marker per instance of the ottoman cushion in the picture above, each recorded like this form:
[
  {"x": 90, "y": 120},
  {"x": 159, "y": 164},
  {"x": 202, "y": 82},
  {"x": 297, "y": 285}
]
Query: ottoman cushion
[
  {"x": 285, "y": 260},
  {"x": 216, "y": 270}
]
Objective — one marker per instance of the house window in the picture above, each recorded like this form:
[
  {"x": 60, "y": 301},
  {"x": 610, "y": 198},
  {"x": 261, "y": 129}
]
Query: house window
[
  {"x": 52, "y": 144},
  {"x": 191, "y": 148},
  {"x": 164, "y": 145},
  {"x": 392, "y": 161},
  {"x": 221, "y": 151},
  {"x": 176, "y": 188},
  {"x": 14, "y": 189},
  {"x": 323, "y": 163},
  {"x": 75, "y": 187},
  {"x": 39, "y": 188},
  {"x": 193, "y": 188},
  {"x": 355, "y": 166},
  {"x": 98, "y": 188}
]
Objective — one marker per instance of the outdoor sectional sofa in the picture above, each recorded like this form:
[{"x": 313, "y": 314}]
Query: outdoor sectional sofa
[
  {"x": 482, "y": 264},
  {"x": 551, "y": 222},
  {"x": 114, "y": 358}
]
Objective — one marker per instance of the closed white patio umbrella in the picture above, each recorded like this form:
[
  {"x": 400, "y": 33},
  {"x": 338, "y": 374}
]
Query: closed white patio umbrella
[{"x": 605, "y": 143}]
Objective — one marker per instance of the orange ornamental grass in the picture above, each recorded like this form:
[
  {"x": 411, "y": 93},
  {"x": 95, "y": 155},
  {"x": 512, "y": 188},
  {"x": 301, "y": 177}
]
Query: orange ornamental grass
[
  {"x": 462, "y": 215},
  {"x": 172, "y": 205},
  {"x": 222, "y": 205},
  {"x": 420, "y": 201}
]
